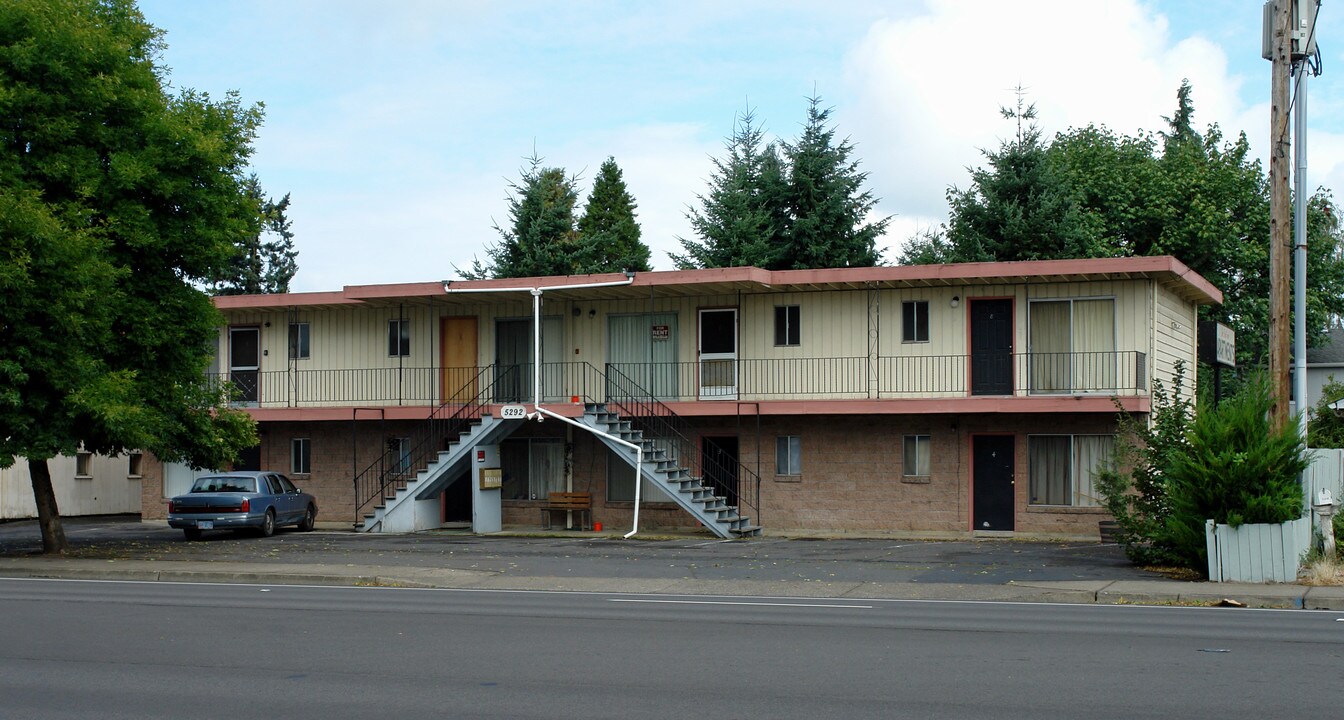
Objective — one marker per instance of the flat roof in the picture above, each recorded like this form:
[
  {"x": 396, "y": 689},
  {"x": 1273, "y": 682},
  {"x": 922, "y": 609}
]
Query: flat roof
[{"x": 1185, "y": 282}]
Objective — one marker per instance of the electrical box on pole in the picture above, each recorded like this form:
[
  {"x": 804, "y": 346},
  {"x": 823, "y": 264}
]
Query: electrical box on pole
[{"x": 1301, "y": 33}]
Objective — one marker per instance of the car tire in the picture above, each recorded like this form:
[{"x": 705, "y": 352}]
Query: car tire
[
  {"x": 192, "y": 533},
  {"x": 267, "y": 528},
  {"x": 309, "y": 519}
]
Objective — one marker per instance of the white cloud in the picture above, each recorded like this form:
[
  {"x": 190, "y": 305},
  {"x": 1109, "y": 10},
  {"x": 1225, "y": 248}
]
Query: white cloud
[{"x": 929, "y": 88}]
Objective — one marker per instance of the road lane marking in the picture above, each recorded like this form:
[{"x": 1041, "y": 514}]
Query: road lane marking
[{"x": 727, "y": 602}]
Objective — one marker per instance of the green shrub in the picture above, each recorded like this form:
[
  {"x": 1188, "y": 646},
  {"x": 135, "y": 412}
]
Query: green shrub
[
  {"x": 1234, "y": 470},
  {"x": 1133, "y": 487}
]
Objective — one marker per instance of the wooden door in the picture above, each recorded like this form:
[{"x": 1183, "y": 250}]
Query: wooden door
[{"x": 457, "y": 359}]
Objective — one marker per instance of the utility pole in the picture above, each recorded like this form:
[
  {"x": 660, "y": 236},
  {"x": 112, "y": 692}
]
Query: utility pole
[{"x": 1280, "y": 241}]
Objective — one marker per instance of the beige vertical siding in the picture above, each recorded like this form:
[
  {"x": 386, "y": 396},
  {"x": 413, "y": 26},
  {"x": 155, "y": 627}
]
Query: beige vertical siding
[
  {"x": 850, "y": 345},
  {"x": 1174, "y": 325}
]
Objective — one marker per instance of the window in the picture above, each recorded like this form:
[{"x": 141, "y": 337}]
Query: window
[
  {"x": 300, "y": 456},
  {"x": 788, "y": 455},
  {"x": 915, "y": 321},
  {"x": 787, "y": 326},
  {"x": 915, "y": 456},
  {"x": 83, "y": 464},
  {"x": 532, "y": 468},
  {"x": 1072, "y": 346},
  {"x": 133, "y": 463},
  {"x": 299, "y": 345},
  {"x": 1063, "y": 468},
  {"x": 621, "y": 483},
  {"x": 399, "y": 338},
  {"x": 399, "y": 448}
]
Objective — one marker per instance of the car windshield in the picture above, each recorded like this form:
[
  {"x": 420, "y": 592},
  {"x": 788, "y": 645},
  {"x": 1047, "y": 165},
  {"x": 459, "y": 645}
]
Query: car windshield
[{"x": 224, "y": 484}]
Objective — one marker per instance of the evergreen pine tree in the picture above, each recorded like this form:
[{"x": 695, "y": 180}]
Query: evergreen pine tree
[
  {"x": 1019, "y": 208},
  {"x": 541, "y": 239},
  {"x": 609, "y": 237},
  {"x": 266, "y": 259},
  {"x": 735, "y": 225},
  {"x": 825, "y": 202}
]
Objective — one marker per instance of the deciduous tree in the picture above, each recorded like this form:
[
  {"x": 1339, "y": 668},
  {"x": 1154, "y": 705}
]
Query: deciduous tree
[{"x": 117, "y": 200}]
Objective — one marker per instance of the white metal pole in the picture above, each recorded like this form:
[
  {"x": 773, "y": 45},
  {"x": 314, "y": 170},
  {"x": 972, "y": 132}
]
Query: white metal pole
[
  {"x": 536, "y": 347},
  {"x": 1300, "y": 251}
]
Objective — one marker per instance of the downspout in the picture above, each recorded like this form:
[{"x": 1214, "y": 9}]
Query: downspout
[{"x": 541, "y": 412}]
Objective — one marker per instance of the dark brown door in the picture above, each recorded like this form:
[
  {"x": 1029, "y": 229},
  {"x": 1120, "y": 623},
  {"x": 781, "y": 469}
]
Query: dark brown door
[
  {"x": 992, "y": 347},
  {"x": 992, "y": 463}
]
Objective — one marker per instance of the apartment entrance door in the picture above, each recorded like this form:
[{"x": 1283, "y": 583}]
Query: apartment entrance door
[
  {"x": 457, "y": 359},
  {"x": 718, "y": 354},
  {"x": 992, "y": 482},
  {"x": 245, "y": 364},
  {"x": 992, "y": 347}
]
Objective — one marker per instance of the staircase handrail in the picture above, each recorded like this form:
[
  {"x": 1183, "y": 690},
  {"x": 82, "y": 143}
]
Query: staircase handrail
[
  {"x": 659, "y": 422},
  {"x": 396, "y": 467}
]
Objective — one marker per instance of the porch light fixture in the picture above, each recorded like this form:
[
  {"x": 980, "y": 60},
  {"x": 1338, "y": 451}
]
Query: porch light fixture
[
  {"x": 956, "y": 300},
  {"x": 592, "y": 312}
]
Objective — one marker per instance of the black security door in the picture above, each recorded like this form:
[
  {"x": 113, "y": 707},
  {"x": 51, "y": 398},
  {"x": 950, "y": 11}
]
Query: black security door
[
  {"x": 992, "y": 460},
  {"x": 718, "y": 456},
  {"x": 992, "y": 347}
]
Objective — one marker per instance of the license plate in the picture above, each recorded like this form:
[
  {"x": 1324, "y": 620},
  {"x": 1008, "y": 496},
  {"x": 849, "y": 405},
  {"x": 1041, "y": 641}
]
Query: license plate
[{"x": 205, "y": 524}]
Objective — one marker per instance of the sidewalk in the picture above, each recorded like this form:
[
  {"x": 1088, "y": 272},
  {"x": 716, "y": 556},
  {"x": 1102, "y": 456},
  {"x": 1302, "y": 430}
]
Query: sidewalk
[{"x": 1140, "y": 592}]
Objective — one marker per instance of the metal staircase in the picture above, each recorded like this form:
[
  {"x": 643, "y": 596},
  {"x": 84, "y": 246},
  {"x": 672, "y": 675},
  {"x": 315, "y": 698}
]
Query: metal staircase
[
  {"x": 662, "y": 467},
  {"x": 396, "y": 512},
  {"x": 719, "y": 493},
  {"x": 435, "y": 456}
]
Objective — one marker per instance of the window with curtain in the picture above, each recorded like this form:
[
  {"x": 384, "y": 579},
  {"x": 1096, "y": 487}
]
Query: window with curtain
[
  {"x": 531, "y": 468},
  {"x": 1071, "y": 346},
  {"x": 1062, "y": 469}
]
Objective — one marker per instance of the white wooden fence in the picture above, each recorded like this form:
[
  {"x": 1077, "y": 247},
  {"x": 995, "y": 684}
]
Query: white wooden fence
[
  {"x": 1257, "y": 553},
  {"x": 1273, "y": 553}
]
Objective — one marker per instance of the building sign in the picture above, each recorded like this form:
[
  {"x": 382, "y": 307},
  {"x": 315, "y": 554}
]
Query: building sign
[
  {"x": 662, "y": 332},
  {"x": 1217, "y": 344}
]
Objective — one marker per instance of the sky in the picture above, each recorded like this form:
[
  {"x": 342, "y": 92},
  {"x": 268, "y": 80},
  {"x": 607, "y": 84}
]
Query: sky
[{"x": 396, "y": 126}]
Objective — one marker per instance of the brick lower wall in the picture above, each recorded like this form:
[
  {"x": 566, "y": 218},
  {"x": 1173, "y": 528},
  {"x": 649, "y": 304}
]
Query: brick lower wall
[{"x": 851, "y": 476}]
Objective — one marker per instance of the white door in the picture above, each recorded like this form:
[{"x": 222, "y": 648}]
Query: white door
[
  {"x": 245, "y": 364},
  {"x": 718, "y": 354}
]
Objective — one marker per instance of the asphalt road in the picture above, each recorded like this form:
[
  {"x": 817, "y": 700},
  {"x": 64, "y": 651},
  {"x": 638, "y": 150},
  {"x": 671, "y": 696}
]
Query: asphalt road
[
  {"x": 162, "y": 650},
  {"x": 989, "y": 562}
]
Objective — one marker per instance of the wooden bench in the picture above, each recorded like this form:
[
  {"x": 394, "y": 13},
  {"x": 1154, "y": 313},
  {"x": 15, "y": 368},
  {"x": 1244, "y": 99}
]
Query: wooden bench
[{"x": 581, "y": 503}]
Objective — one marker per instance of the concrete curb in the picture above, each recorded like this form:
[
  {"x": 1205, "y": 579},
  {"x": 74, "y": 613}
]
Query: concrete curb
[{"x": 1148, "y": 592}]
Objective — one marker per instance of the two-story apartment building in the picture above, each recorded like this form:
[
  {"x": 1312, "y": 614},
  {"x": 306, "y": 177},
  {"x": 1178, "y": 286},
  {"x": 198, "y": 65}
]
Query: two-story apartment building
[{"x": 940, "y": 399}]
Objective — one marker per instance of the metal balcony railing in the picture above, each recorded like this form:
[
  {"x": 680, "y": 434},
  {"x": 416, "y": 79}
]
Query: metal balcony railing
[{"x": 1122, "y": 373}]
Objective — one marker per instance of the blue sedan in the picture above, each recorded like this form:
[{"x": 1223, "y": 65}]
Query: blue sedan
[{"x": 232, "y": 501}]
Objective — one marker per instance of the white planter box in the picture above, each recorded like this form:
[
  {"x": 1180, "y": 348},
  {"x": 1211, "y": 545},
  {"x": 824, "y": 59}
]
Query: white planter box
[{"x": 1257, "y": 553}]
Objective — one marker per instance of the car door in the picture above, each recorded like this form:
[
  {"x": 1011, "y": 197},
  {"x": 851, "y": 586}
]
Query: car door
[
  {"x": 295, "y": 499},
  {"x": 282, "y": 501}
]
